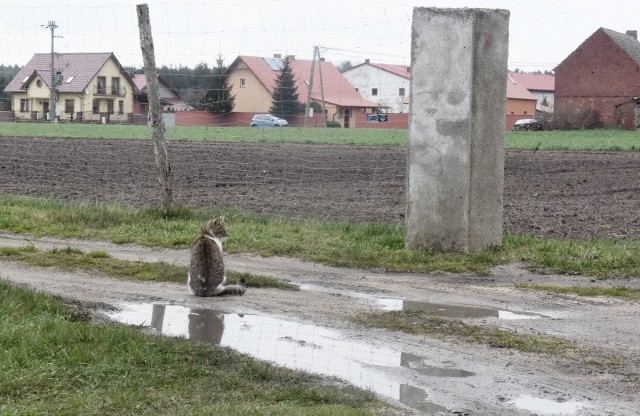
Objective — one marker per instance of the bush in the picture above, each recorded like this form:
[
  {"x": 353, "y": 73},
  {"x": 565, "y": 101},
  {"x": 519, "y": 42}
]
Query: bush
[{"x": 333, "y": 124}]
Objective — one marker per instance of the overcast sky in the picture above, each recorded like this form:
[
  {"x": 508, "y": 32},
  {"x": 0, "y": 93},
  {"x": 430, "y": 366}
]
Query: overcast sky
[{"x": 542, "y": 32}]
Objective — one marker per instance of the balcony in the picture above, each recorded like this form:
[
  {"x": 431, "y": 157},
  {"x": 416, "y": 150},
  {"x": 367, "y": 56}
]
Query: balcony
[{"x": 109, "y": 92}]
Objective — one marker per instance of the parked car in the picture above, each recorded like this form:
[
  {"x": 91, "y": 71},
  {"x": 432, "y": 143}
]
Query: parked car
[
  {"x": 268, "y": 120},
  {"x": 527, "y": 124}
]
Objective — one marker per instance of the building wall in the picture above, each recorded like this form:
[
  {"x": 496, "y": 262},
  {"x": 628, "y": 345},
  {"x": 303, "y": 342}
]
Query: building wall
[
  {"x": 518, "y": 110},
  {"x": 253, "y": 97},
  {"x": 365, "y": 77},
  {"x": 598, "y": 80}
]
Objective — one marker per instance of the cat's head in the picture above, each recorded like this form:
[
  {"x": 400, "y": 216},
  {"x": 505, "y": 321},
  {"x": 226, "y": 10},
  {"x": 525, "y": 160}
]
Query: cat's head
[{"x": 215, "y": 228}]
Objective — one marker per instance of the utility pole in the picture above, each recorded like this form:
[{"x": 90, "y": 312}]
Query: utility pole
[
  {"x": 324, "y": 110},
  {"x": 52, "y": 87},
  {"x": 310, "y": 87}
]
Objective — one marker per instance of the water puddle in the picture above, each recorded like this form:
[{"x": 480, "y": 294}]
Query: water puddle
[
  {"x": 438, "y": 309},
  {"x": 295, "y": 345},
  {"x": 549, "y": 407},
  {"x": 452, "y": 311}
]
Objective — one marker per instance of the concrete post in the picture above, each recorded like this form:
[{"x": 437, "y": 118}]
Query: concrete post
[{"x": 455, "y": 175}]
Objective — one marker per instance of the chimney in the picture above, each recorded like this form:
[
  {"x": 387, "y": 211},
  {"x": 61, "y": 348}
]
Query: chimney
[
  {"x": 277, "y": 56},
  {"x": 321, "y": 59},
  {"x": 291, "y": 57},
  {"x": 633, "y": 33},
  {"x": 366, "y": 61}
]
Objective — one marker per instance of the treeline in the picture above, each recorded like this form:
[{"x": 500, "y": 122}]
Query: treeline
[{"x": 7, "y": 73}]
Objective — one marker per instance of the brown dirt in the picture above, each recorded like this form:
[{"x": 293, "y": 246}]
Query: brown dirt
[{"x": 573, "y": 194}]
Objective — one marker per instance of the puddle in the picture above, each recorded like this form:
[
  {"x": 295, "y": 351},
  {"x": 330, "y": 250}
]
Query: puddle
[
  {"x": 548, "y": 407},
  {"x": 295, "y": 345},
  {"x": 438, "y": 309},
  {"x": 452, "y": 311}
]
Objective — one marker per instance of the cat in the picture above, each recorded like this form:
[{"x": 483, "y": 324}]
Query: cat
[{"x": 206, "y": 276}]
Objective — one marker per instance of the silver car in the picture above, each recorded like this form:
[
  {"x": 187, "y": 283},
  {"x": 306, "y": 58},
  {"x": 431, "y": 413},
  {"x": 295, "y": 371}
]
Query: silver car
[{"x": 268, "y": 120}]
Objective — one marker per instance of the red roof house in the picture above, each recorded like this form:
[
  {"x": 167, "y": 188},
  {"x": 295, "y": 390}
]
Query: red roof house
[{"x": 252, "y": 80}]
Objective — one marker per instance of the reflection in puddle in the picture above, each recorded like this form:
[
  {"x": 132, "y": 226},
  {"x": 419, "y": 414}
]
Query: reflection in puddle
[
  {"x": 438, "y": 309},
  {"x": 548, "y": 407},
  {"x": 452, "y": 311},
  {"x": 295, "y": 345}
]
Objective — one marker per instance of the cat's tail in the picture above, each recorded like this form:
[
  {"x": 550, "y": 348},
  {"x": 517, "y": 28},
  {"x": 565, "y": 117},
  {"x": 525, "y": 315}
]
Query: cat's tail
[{"x": 237, "y": 289}]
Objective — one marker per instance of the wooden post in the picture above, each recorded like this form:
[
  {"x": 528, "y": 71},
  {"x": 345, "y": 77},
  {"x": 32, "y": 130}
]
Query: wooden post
[{"x": 155, "y": 109}]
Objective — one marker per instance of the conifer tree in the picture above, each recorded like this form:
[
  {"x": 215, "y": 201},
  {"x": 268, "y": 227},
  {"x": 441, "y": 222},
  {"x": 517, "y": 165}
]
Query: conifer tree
[
  {"x": 218, "y": 98},
  {"x": 285, "y": 95}
]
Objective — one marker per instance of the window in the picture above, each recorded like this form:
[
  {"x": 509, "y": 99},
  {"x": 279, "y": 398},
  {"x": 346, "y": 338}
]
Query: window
[
  {"x": 115, "y": 86},
  {"x": 121, "y": 107},
  {"x": 68, "y": 81},
  {"x": 24, "y": 105},
  {"x": 96, "y": 106},
  {"x": 242, "y": 83},
  {"x": 39, "y": 83},
  {"x": 374, "y": 91},
  {"x": 69, "y": 106},
  {"x": 110, "y": 106},
  {"x": 401, "y": 92},
  {"x": 102, "y": 85}
]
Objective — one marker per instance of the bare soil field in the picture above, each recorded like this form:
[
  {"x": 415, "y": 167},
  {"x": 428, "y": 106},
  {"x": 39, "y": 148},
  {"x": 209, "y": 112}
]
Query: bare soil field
[
  {"x": 572, "y": 194},
  {"x": 546, "y": 193}
]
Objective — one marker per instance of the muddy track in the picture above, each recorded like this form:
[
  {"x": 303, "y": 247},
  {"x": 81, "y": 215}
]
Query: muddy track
[{"x": 420, "y": 374}]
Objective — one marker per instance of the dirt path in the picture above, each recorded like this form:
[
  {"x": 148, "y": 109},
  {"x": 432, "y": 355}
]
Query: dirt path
[{"x": 430, "y": 376}]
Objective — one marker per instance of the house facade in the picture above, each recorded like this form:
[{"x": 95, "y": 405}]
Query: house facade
[
  {"x": 521, "y": 104},
  {"x": 253, "y": 80},
  {"x": 385, "y": 84},
  {"x": 598, "y": 84},
  {"x": 89, "y": 87},
  {"x": 543, "y": 86}
]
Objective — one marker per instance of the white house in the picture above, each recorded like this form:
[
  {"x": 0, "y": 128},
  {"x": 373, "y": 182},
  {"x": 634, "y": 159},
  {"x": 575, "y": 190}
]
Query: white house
[{"x": 385, "y": 84}]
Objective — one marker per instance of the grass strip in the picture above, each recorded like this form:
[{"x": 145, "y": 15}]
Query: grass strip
[
  {"x": 54, "y": 363},
  {"x": 348, "y": 244},
  {"x": 421, "y": 323},
  {"x": 620, "y": 292},
  {"x": 101, "y": 262}
]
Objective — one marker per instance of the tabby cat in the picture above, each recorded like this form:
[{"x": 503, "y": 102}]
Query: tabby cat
[{"x": 206, "y": 276}]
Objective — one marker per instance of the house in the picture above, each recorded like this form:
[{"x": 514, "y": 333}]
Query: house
[
  {"x": 88, "y": 87},
  {"x": 598, "y": 84},
  {"x": 385, "y": 84},
  {"x": 540, "y": 85},
  {"x": 521, "y": 103},
  {"x": 253, "y": 79},
  {"x": 169, "y": 98}
]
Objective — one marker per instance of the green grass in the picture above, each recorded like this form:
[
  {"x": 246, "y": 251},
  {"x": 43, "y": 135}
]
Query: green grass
[
  {"x": 585, "y": 140},
  {"x": 54, "y": 362},
  {"x": 421, "y": 323},
  {"x": 102, "y": 263},
  {"x": 373, "y": 245},
  {"x": 614, "y": 292},
  {"x": 588, "y": 140},
  {"x": 393, "y": 137}
]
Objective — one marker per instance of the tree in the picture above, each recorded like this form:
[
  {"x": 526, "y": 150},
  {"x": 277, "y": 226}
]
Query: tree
[
  {"x": 218, "y": 98},
  {"x": 285, "y": 95},
  {"x": 344, "y": 66}
]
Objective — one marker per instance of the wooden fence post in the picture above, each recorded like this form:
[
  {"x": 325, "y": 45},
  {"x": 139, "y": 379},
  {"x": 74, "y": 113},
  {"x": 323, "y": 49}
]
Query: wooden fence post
[{"x": 155, "y": 109}]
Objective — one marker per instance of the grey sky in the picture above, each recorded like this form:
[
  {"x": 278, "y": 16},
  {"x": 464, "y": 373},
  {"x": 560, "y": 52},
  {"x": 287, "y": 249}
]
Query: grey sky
[{"x": 542, "y": 33}]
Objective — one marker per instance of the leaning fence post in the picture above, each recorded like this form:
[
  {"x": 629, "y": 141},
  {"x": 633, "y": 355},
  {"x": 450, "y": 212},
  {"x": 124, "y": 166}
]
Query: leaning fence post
[{"x": 155, "y": 109}]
